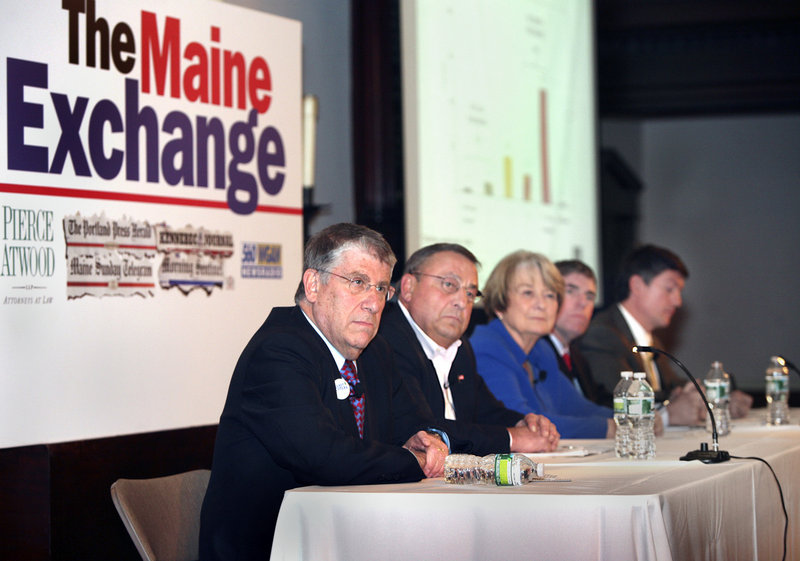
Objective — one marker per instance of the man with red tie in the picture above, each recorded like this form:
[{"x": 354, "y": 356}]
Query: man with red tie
[
  {"x": 314, "y": 400},
  {"x": 580, "y": 292}
]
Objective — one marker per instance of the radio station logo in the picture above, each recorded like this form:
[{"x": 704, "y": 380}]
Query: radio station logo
[{"x": 262, "y": 260}]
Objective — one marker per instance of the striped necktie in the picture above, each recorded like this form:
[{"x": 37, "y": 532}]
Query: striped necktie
[{"x": 348, "y": 372}]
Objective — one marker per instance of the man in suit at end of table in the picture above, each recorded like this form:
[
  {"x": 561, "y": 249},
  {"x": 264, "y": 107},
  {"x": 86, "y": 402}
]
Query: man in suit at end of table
[
  {"x": 650, "y": 288},
  {"x": 314, "y": 399},
  {"x": 425, "y": 327}
]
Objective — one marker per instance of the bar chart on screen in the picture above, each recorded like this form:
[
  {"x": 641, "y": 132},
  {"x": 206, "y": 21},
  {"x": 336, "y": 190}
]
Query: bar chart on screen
[{"x": 499, "y": 128}]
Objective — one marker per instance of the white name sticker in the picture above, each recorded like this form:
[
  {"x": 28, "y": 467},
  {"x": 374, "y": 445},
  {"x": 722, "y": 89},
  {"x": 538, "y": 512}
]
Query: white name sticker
[{"x": 342, "y": 388}]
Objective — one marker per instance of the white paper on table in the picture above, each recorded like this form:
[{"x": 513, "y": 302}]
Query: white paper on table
[{"x": 574, "y": 451}]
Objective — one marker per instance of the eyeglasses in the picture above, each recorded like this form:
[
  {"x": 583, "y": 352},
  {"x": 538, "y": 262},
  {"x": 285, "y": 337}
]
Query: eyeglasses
[
  {"x": 361, "y": 286},
  {"x": 451, "y": 285}
]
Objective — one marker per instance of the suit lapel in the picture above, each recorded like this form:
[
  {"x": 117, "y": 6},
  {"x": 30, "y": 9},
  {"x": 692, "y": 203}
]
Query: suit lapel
[
  {"x": 618, "y": 320},
  {"x": 328, "y": 374}
]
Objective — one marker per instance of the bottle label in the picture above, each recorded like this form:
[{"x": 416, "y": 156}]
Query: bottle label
[
  {"x": 640, "y": 405},
  {"x": 619, "y": 406},
  {"x": 716, "y": 389},
  {"x": 776, "y": 384},
  {"x": 504, "y": 472}
]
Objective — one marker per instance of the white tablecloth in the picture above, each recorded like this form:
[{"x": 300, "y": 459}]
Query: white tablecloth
[{"x": 660, "y": 509}]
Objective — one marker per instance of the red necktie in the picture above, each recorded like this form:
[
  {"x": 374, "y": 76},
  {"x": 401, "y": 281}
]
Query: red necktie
[
  {"x": 568, "y": 361},
  {"x": 348, "y": 372}
]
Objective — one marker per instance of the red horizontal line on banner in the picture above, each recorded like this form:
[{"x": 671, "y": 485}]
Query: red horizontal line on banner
[
  {"x": 130, "y": 197},
  {"x": 119, "y": 284}
]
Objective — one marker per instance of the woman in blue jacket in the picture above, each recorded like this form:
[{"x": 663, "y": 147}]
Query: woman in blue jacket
[{"x": 523, "y": 295}]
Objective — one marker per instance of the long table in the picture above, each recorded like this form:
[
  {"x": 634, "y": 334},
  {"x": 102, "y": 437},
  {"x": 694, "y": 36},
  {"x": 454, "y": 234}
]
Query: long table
[{"x": 659, "y": 509}]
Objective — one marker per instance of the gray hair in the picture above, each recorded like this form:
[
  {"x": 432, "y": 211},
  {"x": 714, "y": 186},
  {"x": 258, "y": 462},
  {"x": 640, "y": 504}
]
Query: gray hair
[
  {"x": 325, "y": 248},
  {"x": 495, "y": 294}
]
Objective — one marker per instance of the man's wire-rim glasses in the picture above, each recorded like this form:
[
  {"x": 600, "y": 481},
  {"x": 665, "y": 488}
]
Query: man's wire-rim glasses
[
  {"x": 451, "y": 285},
  {"x": 361, "y": 286}
]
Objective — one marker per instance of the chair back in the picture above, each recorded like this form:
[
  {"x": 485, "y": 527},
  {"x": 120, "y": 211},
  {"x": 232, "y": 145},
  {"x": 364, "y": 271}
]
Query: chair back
[{"x": 162, "y": 514}]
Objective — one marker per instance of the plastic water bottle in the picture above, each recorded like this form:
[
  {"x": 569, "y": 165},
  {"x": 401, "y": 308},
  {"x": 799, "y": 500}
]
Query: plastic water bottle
[
  {"x": 777, "y": 379},
  {"x": 641, "y": 416},
  {"x": 494, "y": 469},
  {"x": 718, "y": 392},
  {"x": 623, "y": 434}
]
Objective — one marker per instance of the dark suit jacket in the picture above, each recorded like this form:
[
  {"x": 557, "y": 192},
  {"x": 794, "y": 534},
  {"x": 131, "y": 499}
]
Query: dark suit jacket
[
  {"x": 581, "y": 372},
  {"x": 283, "y": 427},
  {"x": 482, "y": 419},
  {"x": 606, "y": 346}
]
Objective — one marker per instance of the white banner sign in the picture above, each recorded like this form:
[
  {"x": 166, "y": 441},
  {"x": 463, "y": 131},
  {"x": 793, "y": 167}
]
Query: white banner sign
[{"x": 150, "y": 207}]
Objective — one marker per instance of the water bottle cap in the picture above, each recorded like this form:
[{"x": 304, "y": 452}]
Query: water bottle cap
[
  {"x": 626, "y": 374},
  {"x": 639, "y": 375},
  {"x": 717, "y": 364}
]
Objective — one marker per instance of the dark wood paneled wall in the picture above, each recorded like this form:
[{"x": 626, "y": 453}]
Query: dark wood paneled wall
[
  {"x": 378, "y": 121},
  {"x": 56, "y": 501}
]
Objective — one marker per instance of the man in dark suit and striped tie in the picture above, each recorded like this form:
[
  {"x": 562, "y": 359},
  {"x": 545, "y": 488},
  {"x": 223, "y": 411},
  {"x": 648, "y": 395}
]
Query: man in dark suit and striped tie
[{"x": 314, "y": 400}]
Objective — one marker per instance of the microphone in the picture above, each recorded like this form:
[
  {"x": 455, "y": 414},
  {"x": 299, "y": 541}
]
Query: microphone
[
  {"x": 788, "y": 363},
  {"x": 705, "y": 455}
]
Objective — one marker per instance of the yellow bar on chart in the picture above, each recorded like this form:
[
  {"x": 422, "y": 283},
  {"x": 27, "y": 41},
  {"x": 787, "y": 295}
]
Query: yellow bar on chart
[{"x": 507, "y": 168}]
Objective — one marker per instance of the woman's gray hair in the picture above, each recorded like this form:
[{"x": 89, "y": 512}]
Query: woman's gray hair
[{"x": 495, "y": 293}]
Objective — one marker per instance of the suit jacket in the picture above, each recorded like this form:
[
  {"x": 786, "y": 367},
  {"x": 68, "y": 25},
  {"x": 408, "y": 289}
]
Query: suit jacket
[
  {"x": 606, "y": 346},
  {"x": 481, "y": 419},
  {"x": 283, "y": 427},
  {"x": 580, "y": 371}
]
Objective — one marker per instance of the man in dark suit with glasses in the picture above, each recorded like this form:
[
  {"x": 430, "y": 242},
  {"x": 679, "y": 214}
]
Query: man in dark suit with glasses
[
  {"x": 424, "y": 328},
  {"x": 314, "y": 400}
]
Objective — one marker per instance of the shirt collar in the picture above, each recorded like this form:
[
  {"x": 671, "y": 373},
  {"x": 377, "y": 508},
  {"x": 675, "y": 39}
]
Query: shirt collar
[
  {"x": 560, "y": 347},
  {"x": 432, "y": 348},
  {"x": 640, "y": 335}
]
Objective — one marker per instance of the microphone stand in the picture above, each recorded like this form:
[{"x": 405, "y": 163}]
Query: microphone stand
[{"x": 705, "y": 455}]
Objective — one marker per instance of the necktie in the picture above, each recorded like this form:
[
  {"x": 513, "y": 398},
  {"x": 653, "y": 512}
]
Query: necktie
[
  {"x": 568, "y": 361},
  {"x": 651, "y": 371},
  {"x": 348, "y": 372}
]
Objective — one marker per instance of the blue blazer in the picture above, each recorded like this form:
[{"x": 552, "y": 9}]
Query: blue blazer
[{"x": 500, "y": 363}]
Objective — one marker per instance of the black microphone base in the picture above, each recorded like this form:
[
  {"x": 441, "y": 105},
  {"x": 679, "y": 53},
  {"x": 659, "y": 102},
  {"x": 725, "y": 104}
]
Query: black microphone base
[{"x": 707, "y": 456}]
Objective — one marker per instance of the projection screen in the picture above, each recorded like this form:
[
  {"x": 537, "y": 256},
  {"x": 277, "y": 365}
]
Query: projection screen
[{"x": 499, "y": 127}]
